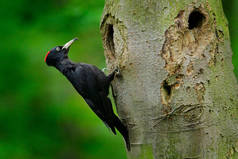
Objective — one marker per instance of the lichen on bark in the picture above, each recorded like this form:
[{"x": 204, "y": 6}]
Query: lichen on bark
[{"x": 177, "y": 93}]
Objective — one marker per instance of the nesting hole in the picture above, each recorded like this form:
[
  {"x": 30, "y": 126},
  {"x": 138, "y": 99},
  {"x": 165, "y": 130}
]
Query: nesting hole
[
  {"x": 167, "y": 89},
  {"x": 196, "y": 19},
  {"x": 166, "y": 92},
  {"x": 109, "y": 39}
]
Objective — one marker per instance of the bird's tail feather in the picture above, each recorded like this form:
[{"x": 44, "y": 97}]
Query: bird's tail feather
[{"x": 123, "y": 130}]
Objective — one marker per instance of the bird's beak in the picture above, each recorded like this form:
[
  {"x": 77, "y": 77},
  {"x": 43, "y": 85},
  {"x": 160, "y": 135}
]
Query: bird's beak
[{"x": 68, "y": 44}]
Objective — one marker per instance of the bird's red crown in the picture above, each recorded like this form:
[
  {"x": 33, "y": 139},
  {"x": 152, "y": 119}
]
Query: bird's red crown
[{"x": 47, "y": 55}]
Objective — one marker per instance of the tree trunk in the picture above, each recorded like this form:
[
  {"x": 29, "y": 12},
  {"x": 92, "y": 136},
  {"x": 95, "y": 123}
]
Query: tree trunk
[{"x": 176, "y": 92}]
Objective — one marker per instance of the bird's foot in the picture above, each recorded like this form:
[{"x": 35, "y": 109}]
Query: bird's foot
[
  {"x": 105, "y": 69},
  {"x": 117, "y": 71}
]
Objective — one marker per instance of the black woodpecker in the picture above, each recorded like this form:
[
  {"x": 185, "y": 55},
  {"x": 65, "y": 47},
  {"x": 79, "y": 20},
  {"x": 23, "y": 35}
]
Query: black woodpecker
[{"x": 91, "y": 83}]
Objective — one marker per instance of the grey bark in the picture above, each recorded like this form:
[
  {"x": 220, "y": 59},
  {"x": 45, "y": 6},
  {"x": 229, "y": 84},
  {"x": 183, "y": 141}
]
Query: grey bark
[{"x": 177, "y": 92}]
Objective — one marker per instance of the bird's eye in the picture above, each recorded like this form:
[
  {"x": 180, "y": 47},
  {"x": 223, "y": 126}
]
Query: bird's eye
[{"x": 57, "y": 48}]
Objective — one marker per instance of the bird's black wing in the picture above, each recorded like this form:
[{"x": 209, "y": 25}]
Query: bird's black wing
[
  {"x": 103, "y": 116},
  {"x": 97, "y": 100},
  {"x": 94, "y": 108}
]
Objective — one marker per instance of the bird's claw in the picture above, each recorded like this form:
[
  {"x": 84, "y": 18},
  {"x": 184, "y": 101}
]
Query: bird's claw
[
  {"x": 104, "y": 69},
  {"x": 117, "y": 71}
]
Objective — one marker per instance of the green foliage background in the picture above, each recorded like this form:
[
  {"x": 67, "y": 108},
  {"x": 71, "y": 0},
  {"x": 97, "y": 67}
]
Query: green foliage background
[{"x": 41, "y": 115}]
